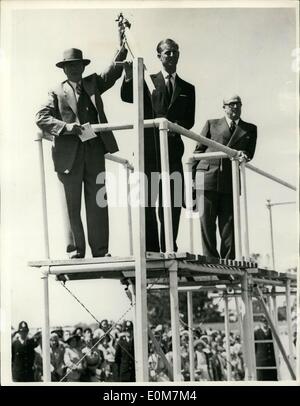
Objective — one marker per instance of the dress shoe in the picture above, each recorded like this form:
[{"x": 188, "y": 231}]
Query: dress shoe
[{"x": 75, "y": 255}]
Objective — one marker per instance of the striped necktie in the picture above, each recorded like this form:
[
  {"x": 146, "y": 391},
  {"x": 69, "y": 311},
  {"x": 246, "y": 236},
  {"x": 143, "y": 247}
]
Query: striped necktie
[
  {"x": 232, "y": 126},
  {"x": 79, "y": 88},
  {"x": 169, "y": 88}
]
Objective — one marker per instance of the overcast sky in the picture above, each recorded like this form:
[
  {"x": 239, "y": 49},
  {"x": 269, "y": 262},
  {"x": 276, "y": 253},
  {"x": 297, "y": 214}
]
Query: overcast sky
[{"x": 222, "y": 51}]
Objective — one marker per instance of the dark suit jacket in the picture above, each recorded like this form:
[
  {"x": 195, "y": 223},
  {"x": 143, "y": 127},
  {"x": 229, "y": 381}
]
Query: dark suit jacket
[
  {"x": 124, "y": 359},
  {"x": 181, "y": 110},
  {"x": 217, "y": 172},
  {"x": 61, "y": 108}
]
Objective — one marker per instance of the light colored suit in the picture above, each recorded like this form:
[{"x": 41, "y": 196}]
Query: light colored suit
[{"x": 77, "y": 162}]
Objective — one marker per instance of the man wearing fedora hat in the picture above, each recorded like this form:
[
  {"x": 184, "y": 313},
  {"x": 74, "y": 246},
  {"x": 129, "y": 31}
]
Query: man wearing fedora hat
[{"x": 74, "y": 102}]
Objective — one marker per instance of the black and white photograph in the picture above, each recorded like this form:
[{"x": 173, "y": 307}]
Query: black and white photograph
[{"x": 149, "y": 194}]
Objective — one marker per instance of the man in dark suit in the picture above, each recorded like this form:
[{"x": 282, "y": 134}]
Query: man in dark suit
[
  {"x": 213, "y": 180},
  {"x": 264, "y": 352},
  {"x": 124, "y": 358},
  {"x": 174, "y": 99},
  {"x": 22, "y": 353},
  {"x": 74, "y": 102}
]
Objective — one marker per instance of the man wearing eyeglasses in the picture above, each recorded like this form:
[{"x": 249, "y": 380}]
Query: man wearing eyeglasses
[{"x": 213, "y": 180}]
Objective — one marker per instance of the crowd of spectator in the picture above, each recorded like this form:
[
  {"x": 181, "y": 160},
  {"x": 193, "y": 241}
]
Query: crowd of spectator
[
  {"x": 210, "y": 358},
  {"x": 106, "y": 354},
  {"x": 82, "y": 355}
]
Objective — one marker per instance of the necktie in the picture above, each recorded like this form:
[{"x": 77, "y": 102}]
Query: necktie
[
  {"x": 169, "y": 88},
  {"x": 232, "y": 127},
  {"x": 78, "y": 88}
]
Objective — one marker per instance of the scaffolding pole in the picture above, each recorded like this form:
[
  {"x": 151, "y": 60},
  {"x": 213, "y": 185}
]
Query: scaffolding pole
[
  {"x": 269, "y": 207},
  {"x": 45, "y": 270},
  {"x": 240, "y": 323},
  {"x": 166, "y": 198},
  {"x": 44, "y": 196},
  {"x": 236, "y": 209},
  {"x": 275, "y": 320},
  {"x": 140, "y": 248},
  {"x": 289, "y": 321},
  {"x": 191, "y": 335},
  {"x": 227, "y": 335},
  {"x": 275, "y": 334},
  {"x": 251, "y": 327},
  {"x": 245, "y": 210},
  {"x": 189, "y": 202},
  {"x": 129, "y": 214},
  {"x": 175, "y": 325},
  {"x": 46, "y": 327},
  {"x": 249, "y": 355}
]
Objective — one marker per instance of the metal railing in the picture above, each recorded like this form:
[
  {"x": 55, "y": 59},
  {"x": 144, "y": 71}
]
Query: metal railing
[{"x": 139, "y": 248}]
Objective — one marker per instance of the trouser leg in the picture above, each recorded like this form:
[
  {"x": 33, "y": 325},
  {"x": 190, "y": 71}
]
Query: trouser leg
[
  {"x": 207, "y": 206},
  {"x": 72, "y": 186},
  {"x": 226, "y": 226},
  {"x": 96, "y": 198},
  {"x": 151, "y": 224},
  {"x": 176, "y": 188}
]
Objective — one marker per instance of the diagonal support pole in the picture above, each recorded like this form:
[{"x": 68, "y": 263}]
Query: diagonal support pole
[
  {"x": 275, "y": 334},
  {"x": 161, "y": 353}
]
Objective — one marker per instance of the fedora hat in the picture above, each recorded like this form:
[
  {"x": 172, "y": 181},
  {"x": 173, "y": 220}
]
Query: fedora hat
[{"x": 72, "y": 55}]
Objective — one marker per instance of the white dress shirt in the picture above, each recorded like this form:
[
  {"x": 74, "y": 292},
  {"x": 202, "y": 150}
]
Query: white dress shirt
[
  {"x": 173, "y": 76},
  {"x": 73, "y": 86},
  {"x": 229, "y": 121}
]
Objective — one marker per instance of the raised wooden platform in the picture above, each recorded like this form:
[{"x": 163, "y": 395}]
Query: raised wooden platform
[{"x": 193, "y": 270}]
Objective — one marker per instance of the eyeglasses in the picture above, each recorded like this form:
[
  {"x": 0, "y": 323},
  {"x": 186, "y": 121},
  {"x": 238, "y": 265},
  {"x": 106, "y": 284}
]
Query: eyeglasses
[{"x": 233, "y": 104}]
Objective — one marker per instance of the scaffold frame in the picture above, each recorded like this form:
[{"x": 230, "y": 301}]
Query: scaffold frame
[{"x": 177, "y": 272}]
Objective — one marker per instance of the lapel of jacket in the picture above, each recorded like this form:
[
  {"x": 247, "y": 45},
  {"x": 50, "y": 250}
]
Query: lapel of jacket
[
  {"x": 223, "y": 133},
  {"x": 159, "y": 82},
  {"x": 160, "y": 87},
  {"x": 70, "y": 96},
  {"x": 238, "y": 133},
  {"x": 90, "y": 91},
  {"x": 177, "y": 89}
]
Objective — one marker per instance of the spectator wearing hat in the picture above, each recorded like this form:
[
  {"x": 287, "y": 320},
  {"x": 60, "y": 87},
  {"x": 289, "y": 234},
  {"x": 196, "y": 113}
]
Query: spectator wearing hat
[
  {"x": 116, "y": 332},
  {"x": 87, "y": 335},
  {"x": 73, "y": 359},
  {"x": 201, "y": 362},
  {"x": 66, "y": 336},
  {"x": 102, "y": 330},
  {"x": 264, "y": 352},
  {"x": 57, "y": 352},
  {"x": 38, "y": 358},
  {"x": 216, "y": 363},
  {"x": 23, "y": 354},
  {"x": 79, "y": 332},
  {"x": 77, "y": 101},
  {"x": 109, "y": 352},
  {"x": 92, "y": 362},
  {"x": 124, "y": 358}
]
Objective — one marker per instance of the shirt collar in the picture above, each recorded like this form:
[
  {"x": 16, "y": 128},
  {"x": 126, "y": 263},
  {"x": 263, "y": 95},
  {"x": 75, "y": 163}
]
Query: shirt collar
[
  {"x": 229, "y": 121},
  {"x": 73, "y": 84},
  {"x": 165, "y": 74}
]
